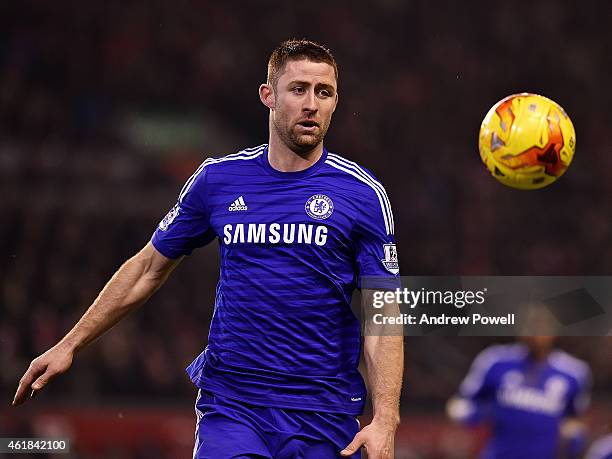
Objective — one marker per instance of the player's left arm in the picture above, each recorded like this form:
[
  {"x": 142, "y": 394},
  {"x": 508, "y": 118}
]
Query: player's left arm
[
  {"x": 471, "y": 405},
  {"x": 573, "y": 431},
  {"x": 384, "y": 358},
  {"x": 378, "y": 269}
]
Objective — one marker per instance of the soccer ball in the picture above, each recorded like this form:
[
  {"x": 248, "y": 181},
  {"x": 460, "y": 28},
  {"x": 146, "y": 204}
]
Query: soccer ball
[{"x": 527, "y": 141}]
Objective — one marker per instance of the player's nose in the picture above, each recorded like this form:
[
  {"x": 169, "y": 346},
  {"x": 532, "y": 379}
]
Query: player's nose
[{"x": 310, "y": 102}]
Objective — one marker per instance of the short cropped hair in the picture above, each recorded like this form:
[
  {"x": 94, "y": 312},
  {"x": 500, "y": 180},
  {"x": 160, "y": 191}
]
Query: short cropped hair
[{"x": 295, "y": 50}]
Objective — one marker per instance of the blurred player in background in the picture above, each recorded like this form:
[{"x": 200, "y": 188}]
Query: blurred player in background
[
  {"x": 601, "y": 448},
  {"x": 531, "y": 396},
  {"x": 298, "y": 228}
]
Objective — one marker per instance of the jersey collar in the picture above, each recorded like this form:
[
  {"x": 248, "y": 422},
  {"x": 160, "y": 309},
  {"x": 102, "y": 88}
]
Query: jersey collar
[{"x": 292, "y": 175}]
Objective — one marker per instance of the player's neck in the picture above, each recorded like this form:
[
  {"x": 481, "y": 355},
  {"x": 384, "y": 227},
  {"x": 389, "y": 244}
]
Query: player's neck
[
  {"x": 539, "y": 355},
  {"x": 283, "y": 159}
]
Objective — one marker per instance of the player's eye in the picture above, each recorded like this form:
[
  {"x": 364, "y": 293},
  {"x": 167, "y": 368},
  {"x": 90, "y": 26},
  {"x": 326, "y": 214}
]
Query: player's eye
[
  {"x": 298, "y": 90},
  {"x": 325, "y": 93}
]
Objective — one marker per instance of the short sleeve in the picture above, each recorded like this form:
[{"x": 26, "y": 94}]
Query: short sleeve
[
  {"x": 478, "y": 385},
  {"x": 187, "y": 225},
  {"x": 473, "y": 403},
  {"x": 376, "y": 254}
]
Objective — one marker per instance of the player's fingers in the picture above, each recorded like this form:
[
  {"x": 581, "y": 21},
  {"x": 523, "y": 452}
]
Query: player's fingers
[
  {"x": 25, "y": 383},
  {"x": 353, "y": 446},
  {"x": 41, "y": 381},
  {"x": 24, "y": 387}
]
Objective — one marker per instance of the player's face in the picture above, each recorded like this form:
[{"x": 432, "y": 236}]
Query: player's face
[
  {"x": 539, "y": 344},
  {"x": 305, "y": 97}
]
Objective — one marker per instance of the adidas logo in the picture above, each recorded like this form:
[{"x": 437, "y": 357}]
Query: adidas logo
[{"x": 237, "y": 205}]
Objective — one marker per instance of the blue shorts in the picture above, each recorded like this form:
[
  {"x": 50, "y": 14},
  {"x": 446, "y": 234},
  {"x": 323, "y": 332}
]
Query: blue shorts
[{"x": 230, "y": 429}]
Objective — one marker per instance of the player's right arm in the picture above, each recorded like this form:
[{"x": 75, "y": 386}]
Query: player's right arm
[
  {"x": 131, "y": 286},
  {"x": 468, "y": 407},
  {"x": 183, "y": 229},
  {"x": 573, "y": 428}
]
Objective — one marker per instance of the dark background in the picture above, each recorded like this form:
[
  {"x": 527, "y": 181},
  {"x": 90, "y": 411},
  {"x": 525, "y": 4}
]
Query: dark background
[{"x": 107, "y": 107}]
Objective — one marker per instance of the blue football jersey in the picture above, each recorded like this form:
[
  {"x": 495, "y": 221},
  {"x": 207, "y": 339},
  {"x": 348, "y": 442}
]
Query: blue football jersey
[
  {"x": 524, "y": 400},
  {"x": 293, "y": 246}
]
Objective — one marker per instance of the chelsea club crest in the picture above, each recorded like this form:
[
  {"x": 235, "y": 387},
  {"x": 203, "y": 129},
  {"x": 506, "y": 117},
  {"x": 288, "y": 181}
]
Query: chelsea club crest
[{"x": 319, "y": 207}]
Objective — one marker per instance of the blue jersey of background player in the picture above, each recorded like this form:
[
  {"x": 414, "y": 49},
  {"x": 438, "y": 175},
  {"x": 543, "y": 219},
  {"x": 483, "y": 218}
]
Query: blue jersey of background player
[
  {"x": 298, "y": 228},
  {"x": 530, "y": 395}
]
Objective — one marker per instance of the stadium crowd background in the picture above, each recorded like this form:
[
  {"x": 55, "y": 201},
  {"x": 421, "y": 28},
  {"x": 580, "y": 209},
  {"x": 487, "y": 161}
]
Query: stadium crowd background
[{"x": 107, "y": 107}]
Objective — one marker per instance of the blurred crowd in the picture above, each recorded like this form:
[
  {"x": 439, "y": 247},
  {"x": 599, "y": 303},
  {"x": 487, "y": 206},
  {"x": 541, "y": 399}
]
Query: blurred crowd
[{"x": 79, "y": 196}]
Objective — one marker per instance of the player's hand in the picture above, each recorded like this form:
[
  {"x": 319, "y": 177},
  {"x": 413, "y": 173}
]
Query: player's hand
[
  {"x": 42, "y": 369},
  {"x": 378, "y": 439}
]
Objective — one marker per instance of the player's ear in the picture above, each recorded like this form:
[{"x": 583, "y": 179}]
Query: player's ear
[
  {"x": 336, "y": 103},
  {"x": 266, "y": 95}
]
